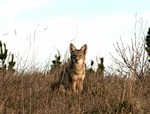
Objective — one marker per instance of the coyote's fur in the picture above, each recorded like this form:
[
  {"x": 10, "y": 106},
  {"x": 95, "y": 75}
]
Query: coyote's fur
[{"x": 73, "y": 74}]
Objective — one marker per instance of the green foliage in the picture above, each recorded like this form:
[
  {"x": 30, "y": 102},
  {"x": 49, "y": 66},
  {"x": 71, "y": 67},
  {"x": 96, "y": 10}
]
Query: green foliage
[
  {"x": 101, "y": 68},
  {"x": 56, "y": 62},
  {"x": 11, "y": 63},
  {"x": 91, "y": 70},
  {"x": 147, "y": 40},
  {"x": 4, "y": 56}
]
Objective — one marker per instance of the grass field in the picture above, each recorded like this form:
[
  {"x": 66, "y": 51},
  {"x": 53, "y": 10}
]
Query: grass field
[{"x": 32, "y": 94}]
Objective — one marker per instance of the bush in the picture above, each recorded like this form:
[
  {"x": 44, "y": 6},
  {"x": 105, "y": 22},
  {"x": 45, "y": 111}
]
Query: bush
[{"x": 4, "y": 57}]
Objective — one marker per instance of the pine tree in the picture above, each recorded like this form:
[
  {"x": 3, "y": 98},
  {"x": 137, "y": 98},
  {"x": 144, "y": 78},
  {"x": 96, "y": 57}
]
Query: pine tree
[
  {"x": 56, "y": 63},
  {"x": 91, "y": 70},
  {"x": 101, "y": 68},
  {"x": 6, "y": 65},
  {"x": 147, "y": 40}
]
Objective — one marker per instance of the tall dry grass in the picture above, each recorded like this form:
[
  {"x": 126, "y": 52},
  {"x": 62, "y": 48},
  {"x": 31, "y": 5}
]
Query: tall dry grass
[{"x": 32, "y": 94}]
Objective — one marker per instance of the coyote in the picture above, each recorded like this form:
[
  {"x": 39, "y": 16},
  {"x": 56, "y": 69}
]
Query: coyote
[{"x": 73, "y": 74}]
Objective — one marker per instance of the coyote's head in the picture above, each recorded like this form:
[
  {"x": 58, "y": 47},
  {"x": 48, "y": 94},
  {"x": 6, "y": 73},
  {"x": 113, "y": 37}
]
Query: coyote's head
[{"x": 78, "y": 55}]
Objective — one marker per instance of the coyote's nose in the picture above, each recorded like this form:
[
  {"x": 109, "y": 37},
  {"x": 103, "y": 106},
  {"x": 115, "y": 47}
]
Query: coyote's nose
[{"x": 77, "y": 61}]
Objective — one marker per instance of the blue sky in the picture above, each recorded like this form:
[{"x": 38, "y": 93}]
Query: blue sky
[{"x": 99, "y": 23}]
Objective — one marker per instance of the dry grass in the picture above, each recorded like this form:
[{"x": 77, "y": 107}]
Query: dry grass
[{"x": 31, "y": 94}]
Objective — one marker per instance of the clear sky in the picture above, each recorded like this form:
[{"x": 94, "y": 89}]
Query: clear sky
[{"x": 36, "y": 28}]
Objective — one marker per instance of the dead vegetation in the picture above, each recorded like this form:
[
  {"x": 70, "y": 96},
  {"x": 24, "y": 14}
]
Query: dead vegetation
[{"x": 31, "y": 94}]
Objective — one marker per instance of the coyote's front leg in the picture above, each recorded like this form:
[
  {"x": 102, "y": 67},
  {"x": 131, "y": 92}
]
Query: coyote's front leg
[
  {"x": 74, "y": 84},
  {"x": 80, "y": 86}
]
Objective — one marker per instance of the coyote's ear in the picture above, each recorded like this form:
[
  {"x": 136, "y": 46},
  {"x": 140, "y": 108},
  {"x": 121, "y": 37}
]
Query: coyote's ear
[
  {"x": 72, "y": 47},
  {"x": 84, "y": 48}
]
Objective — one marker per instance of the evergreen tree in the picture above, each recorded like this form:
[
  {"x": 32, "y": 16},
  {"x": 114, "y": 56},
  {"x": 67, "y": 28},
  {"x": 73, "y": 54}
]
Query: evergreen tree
[
  {"x": 56, "y": 62},
  {"x": 5, "y": 63},
  {"x": 147, "y": 40},
  {"x": 91, "y": 70},
  {"x": 101, "y": 68}
]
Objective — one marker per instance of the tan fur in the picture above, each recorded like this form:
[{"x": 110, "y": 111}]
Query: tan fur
[{"x": 74, "y": 73}]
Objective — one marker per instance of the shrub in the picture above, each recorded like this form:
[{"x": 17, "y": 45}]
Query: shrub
[{"x": 4, "y": 57}]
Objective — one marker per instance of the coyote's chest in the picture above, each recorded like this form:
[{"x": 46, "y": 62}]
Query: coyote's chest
[{"x": 78, "y": 72}]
